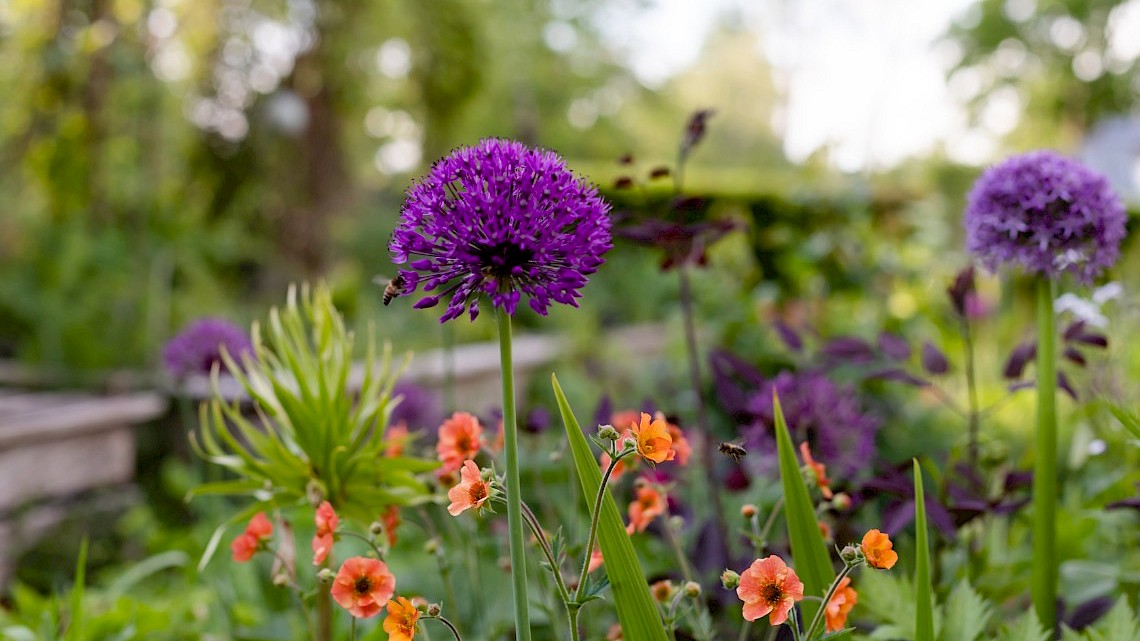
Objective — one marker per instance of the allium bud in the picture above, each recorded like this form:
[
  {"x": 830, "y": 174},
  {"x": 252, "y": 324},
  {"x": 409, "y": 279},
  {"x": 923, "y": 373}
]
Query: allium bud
[
  {"x": 608, "y": 433},
  {"x": 729, "y": 579},
  {"x": 748, "y": 511},
  {"x": 692, "y": 589}
]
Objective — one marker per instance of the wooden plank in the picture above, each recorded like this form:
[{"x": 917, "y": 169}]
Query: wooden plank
[
  {"x": 61, "y": 467},
  {"x": 78, "y": 416}
]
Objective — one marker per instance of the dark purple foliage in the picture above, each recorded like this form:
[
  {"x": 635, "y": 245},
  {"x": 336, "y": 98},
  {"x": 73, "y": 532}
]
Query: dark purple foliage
[
  {"x": 537, "y": 420},
  {"x": 848, "y": 349},
  {"x": 695, "y": 130},
  {"x": 1019, "y": 358},
  {"x": 897, "y": 375},
  {"x": 790, "y": 338},
  {"x": 933, "y": 360},
  {"x": 504, "y": 220},
  {"x": 1047, "y": 213},
  {"x": 961, "y": 291},
  {"x": 894, "y": 346},
  {"x": 826, "y": 415},
  {"x": 198, "y": 347},
  {"x": 682, "y": 243},
  {"x": 1073, "y": 355}
]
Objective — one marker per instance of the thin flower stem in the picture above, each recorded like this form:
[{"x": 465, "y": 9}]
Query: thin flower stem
[
  {"x": 540, "y": 536},
  {"x": 572, "y": 619},
  {"x": 705, "y": 442},
  {"x": 676, "y": 545},
  {"x": 324, "y": 614},
  {"x": 1044, "y": 574},
  {"x": 818, "y": 618},
  {"x": 794, "y": 624},
  {"x": 762, "y": 535},
  {"x": 352, "y": 630},
  {"x": 371, "y": 544},
  {"x": 972, "y": 386},
  {"x": 594, "y": 518},
  {"x": 450, "y": 626},
  {"x": 514, "y": 485},
  {"x": 745, "y": 628}
]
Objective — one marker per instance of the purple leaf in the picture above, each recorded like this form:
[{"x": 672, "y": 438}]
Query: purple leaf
[
  {"x": 961, "y": 289},
  {"x": 899, "y": 376},
  {"x": 1075, "y": 356},
  {"x": 933, "y": 360},
  {"x": 848, "y": 348},
  {"x": 894, "y": 346},
  {"x": 1019, "y": 358},
  {"x": 1064, "y": 384},
  {"x": 789, "y": 336}
]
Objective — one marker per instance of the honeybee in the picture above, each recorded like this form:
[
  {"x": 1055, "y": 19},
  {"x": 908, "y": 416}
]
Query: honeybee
[
  {"x": 393, "y": 288},
  {"x": 734, "y": 450}
]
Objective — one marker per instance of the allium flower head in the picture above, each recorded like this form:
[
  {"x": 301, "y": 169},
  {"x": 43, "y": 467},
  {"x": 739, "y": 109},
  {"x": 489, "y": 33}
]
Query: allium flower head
[
  {"x": 1047, "y": 213},
  {"x": 504, "y": 220},
  {"x": 197, "y": 347}
]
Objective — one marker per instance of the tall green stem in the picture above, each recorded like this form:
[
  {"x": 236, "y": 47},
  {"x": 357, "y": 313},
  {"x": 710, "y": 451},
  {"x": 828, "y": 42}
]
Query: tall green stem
[
  {"x": 1045, "y": 466},
  {"x": 817, "y": 620},
  {"x": 514, "y": 485},
  {"x": 595, "y": 516},
  {"x": 324, "y": 614}
]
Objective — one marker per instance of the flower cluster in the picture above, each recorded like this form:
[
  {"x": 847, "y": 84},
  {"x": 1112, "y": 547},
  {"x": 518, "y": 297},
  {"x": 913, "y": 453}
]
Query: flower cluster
[
  {"x": 198, "y": 347},
  {"x": 500, "y": 219},
  {"x": 817, "y": 411},
  {"x": 256, "y": 533},
  {"x": 1047, "y": 213}
]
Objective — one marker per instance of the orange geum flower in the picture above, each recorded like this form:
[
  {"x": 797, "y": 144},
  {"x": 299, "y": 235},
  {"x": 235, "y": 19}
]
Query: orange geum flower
[
  {"x": 654, "y": 443},
  {"x": 460, "y": 438},
  {"x": 876, "y": 547},
  {"x": 769, "y": 586},
  {"x": 401, "y": 621},
  {"x": 840, "y": 605},
  {"x": 396, "y": 439},
  {"x": 596, "y": 560},
  {"x": 819, "y": 469},
  {"x": 680, "y": 443},
  {"x": 327, "y": 522},
  {"x": 391, "y": 520},
  {"x": 363, "y": 586},
  {"x": 649, "y": 505},
  {"x": 250, "y": 541},
  {"x": 472, "y": 491}
]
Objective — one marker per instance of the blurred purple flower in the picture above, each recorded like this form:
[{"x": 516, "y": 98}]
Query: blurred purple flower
[
  {"x": 894, "y": 346},
  {"x": 1047, "y": 213},
  {"x": 847, "y": 349},
  {"x": 817, "y": 411},
  {"x": 682, "y": 243},
  {"x": 419, "y": 408},
  {"x": 961, "y": 290},
  {"x": 504, "y": 220},
  {"x": 198, "y": 346},
  {"x": 933, "y": 360}
]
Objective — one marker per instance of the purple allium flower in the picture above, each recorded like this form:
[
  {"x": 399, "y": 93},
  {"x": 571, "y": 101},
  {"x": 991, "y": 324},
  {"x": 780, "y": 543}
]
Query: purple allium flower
[
  {"x": 419, "y": 407},
  {"x": 504, "y": 220},
  {"x": 1047, "y": 213},
  {"x": 817, "y": 411},
  {"x": 198, "y": 346}
]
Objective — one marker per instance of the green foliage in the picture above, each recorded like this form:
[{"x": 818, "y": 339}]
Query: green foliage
[
  {"x": 1120, "y": 624},
  {"x": 314, "y": 434},
  {"x": 636, "y": 610},
  {"x": 1025, "y": 628},
  {"x": 812, "y": 563},
  {"x": 964, "y": 615},
  {"x": 924, "y": 591}
]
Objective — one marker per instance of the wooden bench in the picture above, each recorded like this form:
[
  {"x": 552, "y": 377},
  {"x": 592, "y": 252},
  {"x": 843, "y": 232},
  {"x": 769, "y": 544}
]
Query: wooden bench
[{"x": 55, "y": 445}]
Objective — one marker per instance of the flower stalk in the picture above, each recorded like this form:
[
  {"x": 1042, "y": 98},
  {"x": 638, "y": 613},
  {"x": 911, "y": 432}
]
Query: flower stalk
[
  {"x": 514, "y": 485},
  {"x": 1044, "y": 571},
  {"x": 595, "y": 515}
]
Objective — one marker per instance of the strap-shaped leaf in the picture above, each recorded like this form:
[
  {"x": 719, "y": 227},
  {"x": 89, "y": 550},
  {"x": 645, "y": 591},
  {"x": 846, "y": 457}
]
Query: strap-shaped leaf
[
  {"x": 924, "y": 603},
  {"x": 809, "y": 552},
  {"x": 636, "y": 610}
]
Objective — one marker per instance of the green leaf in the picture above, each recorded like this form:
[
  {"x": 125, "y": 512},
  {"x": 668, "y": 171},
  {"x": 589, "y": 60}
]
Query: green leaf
[
  {"x": 75, "y": 625},
  {"x": 965, "y": 614},
  {"x": 636, "y": 610},
  {"x": 1130, "y": 421},
  {"x": 1026, "y": 628},
  {"x": 1119, "y": 624},
  {"x": 838, "y": 634},
  {"x": 924, "y": 593},
  {"x": 809, "y": 551},
  {"x": 146, "y": 568},
  {"x": 888, "y": 597}
]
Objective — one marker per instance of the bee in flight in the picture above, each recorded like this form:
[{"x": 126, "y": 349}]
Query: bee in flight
[
  {"x": 393, "y": 288},
  {"x": 734, "y": 450}
]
